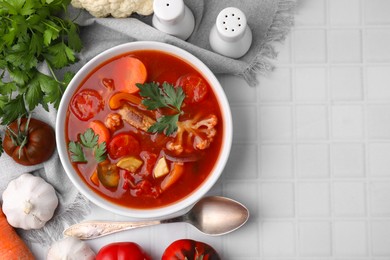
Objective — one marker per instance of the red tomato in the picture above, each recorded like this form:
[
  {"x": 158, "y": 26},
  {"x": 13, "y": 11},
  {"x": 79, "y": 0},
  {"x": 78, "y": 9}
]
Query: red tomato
[
  {"x": 122, "y": 251},
  {"x": 123, "y": 144},
  {"x": 190, "y": 250},
  {"x": 149, "y": 159},
  {"x": 194, "y": 87},
  {"x": 86, "y": 104}
]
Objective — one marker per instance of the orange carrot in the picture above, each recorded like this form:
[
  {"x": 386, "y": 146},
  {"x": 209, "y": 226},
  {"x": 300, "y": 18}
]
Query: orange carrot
[
  {"x": 130, "y": 71},
  {"x": 173, "y": 176},
  {"x": 101, "y": 130},
  {"x": 11, "y": 245},
  {"x": 95, "y": 178}
]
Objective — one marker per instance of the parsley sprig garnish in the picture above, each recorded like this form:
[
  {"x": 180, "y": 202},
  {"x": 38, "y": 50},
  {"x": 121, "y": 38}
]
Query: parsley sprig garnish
[
  {"x": 88, "y": 140},
  {"x": 76, "y": 152},
  {"x": 166, "y": 96},
  {"x": 32, "y": 32}
]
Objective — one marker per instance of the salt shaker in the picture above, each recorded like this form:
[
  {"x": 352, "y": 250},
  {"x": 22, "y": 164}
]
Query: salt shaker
[
  {"x": 173, "y": 17},
  {"x": 231, "y": 35}
]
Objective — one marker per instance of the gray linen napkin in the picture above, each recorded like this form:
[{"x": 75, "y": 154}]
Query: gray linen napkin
[{"x": 270, "y": 21}]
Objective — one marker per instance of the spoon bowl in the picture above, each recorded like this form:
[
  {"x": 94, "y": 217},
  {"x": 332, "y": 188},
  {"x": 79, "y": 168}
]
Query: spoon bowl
[
  {"x": 212, "y": 215},
  {"x": 218, "y": 215}
]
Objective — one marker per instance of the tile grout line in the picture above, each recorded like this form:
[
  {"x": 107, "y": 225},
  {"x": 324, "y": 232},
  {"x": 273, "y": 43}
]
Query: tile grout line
[
  {"x": 342, "y": 27},
  {"x": 370, "y": 252},
  {"x": 294, "y": 146},
  {"x": 329, "y": 135},
  {"x": 258, "y": 173}
]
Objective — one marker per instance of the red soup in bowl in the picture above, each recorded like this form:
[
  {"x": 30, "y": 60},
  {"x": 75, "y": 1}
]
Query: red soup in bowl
[{"x": 144, "y": 129}]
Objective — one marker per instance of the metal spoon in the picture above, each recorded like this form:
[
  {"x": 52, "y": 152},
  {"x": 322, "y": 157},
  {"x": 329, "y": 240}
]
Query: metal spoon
[{"x": 211, "y": 215}]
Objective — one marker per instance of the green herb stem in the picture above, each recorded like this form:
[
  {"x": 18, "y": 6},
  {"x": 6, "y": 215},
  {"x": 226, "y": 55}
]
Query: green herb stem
[{"x": 52, "y": 73}]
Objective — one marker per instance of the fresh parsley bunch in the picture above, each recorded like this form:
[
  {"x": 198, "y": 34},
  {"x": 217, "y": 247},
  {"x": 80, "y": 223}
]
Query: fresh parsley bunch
[{"x": 31, "y": 31}]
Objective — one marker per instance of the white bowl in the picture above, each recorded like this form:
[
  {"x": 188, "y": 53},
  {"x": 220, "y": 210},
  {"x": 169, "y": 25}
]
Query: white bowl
[{"x": 181, "y": 205}]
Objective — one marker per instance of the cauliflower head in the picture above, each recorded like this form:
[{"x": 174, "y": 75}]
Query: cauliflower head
[
  {"x": 199, "y": 132},
  {"x": 116, "y": 8}
]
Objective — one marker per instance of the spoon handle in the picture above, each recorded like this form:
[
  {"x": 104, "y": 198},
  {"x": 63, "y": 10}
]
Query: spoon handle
[{"x": 95, "y": 229}]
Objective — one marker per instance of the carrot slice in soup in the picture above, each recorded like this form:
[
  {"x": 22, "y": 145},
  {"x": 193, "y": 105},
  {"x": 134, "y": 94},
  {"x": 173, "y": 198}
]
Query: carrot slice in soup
[
  {"x": 173, "y": 176},
  {"x": 130, "y": 71},
  {"x": 95, "y": 178},
  {"x": 101, "y": 130}
]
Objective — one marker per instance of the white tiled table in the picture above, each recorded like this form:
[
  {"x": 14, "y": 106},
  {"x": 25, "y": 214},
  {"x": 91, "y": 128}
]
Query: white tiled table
[{"x": 311, "y": 148}]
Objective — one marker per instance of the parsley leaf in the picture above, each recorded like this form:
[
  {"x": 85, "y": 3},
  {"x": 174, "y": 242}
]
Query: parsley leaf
[
  {"x": 7, "y": 88},
  {"x": 166, "y": 96},
  {"x": 89, "y": 140},
  {"x": 73, "y": 38},
  {"x": 52, "y": 90},
  {"x": 33, "y": 94},
  {"x": 166, "y": 124},
  {"x": 153, "y": 94},
  {"x": 35, "y": 44},
  {"x": 174, "y": 96},
  {"x": 13, "y": 109},
  {"x": 100, "y": 152},
  {"x": 49, "y": 34},
  {"x": 28, "y": 7},
  {"x": 68, "y": 76},
  {"x": 76, "y": 152},
  {"x": 58, "y": 55},
  {"x": 18, "y": 76}
]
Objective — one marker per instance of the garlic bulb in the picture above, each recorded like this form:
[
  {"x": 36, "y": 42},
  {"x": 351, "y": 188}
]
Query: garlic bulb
[
  {"x": 29, "y": 202},
  {"x": 70, "y": 248}
]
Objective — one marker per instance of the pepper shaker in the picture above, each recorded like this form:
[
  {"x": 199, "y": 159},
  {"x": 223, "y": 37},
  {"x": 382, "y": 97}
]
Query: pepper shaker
[
  {"x": 173, "y": 17},
  {"x": 231, "y": 35}
]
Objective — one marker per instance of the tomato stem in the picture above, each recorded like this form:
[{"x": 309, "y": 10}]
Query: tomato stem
[{"x": 21, "y": 137}]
